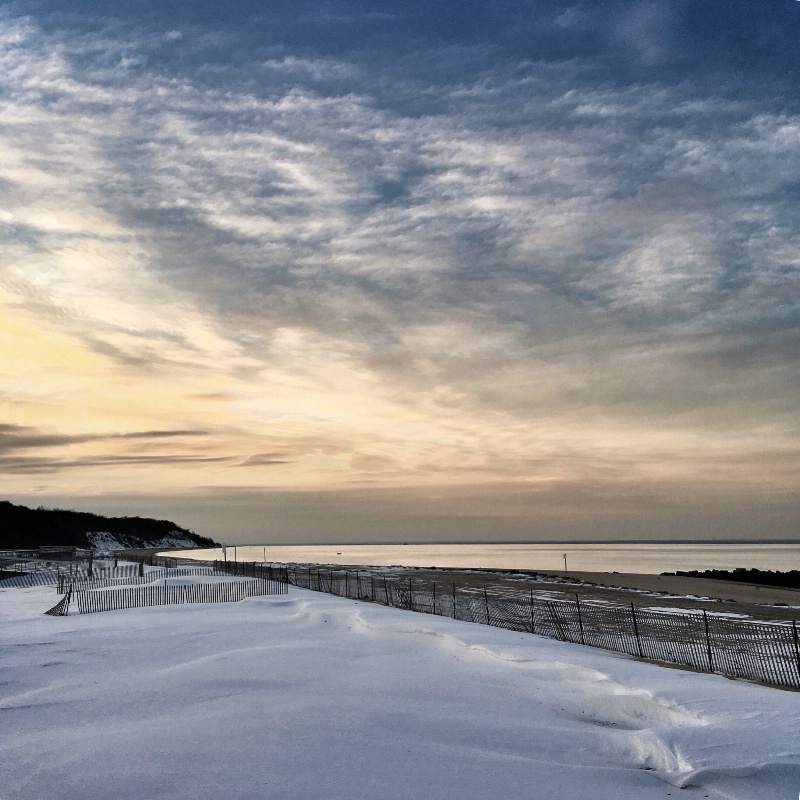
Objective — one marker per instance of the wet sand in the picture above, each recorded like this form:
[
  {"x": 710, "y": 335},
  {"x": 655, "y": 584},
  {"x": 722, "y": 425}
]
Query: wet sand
[
  {"x": 700, "y": 587},
  {"x": 647, "y": 591}
]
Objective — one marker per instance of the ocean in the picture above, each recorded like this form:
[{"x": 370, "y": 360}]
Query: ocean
[{"x": 650, "y": 558}]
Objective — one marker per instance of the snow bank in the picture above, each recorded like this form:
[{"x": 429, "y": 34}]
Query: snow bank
[
  {"x": 310, "y": 695},
  {"x": 105, "y": 541}
]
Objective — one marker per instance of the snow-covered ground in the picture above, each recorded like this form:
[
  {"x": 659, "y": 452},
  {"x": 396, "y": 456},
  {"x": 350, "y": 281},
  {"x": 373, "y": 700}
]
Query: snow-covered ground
[
  {"x": 309, "y": 695},
  {"x": 108, "y": 542}
]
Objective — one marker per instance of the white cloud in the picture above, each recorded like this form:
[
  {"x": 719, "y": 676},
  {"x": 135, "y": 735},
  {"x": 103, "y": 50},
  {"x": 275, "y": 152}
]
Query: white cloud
[{"x": 512, "y": 258}]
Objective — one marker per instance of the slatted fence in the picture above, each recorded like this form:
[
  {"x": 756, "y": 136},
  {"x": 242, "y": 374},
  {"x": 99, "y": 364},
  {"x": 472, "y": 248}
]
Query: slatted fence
[
  {"x": 39, "y": 575},
  {"x": 152, "y": 575},
  {"x": 88, "y": 602},
  {"x": 108, "y": 594},
  {"x": 765, "y": 652}
]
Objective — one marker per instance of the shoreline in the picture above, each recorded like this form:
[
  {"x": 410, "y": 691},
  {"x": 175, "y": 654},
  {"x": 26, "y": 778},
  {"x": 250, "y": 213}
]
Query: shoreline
[{"x": 682, "y": 585}]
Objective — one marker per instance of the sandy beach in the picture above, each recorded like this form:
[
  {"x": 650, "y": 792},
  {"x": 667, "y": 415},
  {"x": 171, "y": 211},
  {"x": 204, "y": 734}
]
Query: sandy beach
[
  {"x": 675, "y": 591},
  {"x": 700, "y": 587},
  {"x": 755, "y": 600}
]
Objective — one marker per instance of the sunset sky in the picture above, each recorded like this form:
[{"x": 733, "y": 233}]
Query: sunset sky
[{"x": 419, "y": 270}]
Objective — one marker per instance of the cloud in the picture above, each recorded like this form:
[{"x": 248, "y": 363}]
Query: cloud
[
  {"x": 22, "y": 437},
  {"x": 379, "y": 246}
]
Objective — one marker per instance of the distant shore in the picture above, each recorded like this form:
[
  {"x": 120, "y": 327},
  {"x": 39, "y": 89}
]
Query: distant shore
[{"x": 687, "y": 585}]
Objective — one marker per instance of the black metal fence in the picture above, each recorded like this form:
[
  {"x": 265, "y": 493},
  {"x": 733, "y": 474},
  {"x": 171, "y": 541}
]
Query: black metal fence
[{"x": 765, "y": 652}]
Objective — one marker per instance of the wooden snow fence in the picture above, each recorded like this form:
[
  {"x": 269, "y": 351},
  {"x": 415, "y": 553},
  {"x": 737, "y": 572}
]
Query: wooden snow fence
[
  {"x": 88, "y": 602},
  {"x": 765, "y": 652},
  {"x": 130, "y": 579},
  {"x": 111, "y": 594},
  {"x": 38, "y": 575}
]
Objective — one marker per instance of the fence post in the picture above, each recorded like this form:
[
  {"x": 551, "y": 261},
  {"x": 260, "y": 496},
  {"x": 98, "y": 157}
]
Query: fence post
[
  {"x": 796, "y": 645},
  {"x": 636, "y": 632},
  {"x": 580, "y": 620},
  {"x": 708, "y": 643},
  {"x": 386, "y": 589},
  {"x": 434, "y": 597},
  {"x": 454, "y": 601},
  {"x": 486, "y": 603},
  {"x": 410, "y": 594},
  {"x": 358, "y": 585},
  {"x": 533, "y": 619}
]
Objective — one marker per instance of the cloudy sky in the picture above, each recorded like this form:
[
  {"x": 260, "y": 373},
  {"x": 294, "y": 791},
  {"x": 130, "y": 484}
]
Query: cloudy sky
[{"x": 306, "y": 271}]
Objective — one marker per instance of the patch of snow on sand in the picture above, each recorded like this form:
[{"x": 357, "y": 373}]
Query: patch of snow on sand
[
  {"x": 307, "y": 695},
  {"x": 699, "y": 612}
]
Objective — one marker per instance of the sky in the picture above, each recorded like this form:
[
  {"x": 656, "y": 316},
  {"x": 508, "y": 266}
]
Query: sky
[{"x": 426, "y": 271}]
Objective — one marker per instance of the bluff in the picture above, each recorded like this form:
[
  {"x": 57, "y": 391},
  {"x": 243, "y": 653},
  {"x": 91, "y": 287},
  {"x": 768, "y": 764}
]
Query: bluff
[{"x": 22, "y": 527}]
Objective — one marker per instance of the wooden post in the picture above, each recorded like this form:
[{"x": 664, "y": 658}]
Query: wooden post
[
  {"x": 410, "y": 594},
  {"x": 796, "y": 645},
  {"x": 708, "y": 643},
  {"x": 386, "y": 589},
  {"x": 636, "y": 632},
  {"x": 486, "y": 603},
  {"x": 434, "y": 597},
  {"x": 533, "y": 618},
  {"x": 580, "y": 620},
  {"x": 454, "y": 601}
]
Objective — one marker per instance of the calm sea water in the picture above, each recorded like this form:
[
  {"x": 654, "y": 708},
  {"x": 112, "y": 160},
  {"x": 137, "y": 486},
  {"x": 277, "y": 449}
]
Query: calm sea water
[{"x": 642, "y": 558}]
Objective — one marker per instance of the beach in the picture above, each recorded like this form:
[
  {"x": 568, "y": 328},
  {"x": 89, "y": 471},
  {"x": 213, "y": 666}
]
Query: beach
[
  {"x": 756, "y": 601},
  {"x": 307, "y": 695},
  {"x": 681, "y": 585}
]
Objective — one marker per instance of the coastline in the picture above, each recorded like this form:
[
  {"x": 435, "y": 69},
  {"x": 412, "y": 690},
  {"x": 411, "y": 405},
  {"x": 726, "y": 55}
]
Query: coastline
[{"x": 683, "y": 586}]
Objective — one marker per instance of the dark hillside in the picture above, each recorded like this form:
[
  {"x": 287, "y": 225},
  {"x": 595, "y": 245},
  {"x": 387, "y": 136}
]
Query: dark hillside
[{"x": 22, "y": 527}]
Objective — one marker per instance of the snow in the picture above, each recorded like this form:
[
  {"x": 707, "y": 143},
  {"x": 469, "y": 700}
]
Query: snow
[
  {"x": 107, "y": 542},
  {"x": 308, "y": 695}
]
